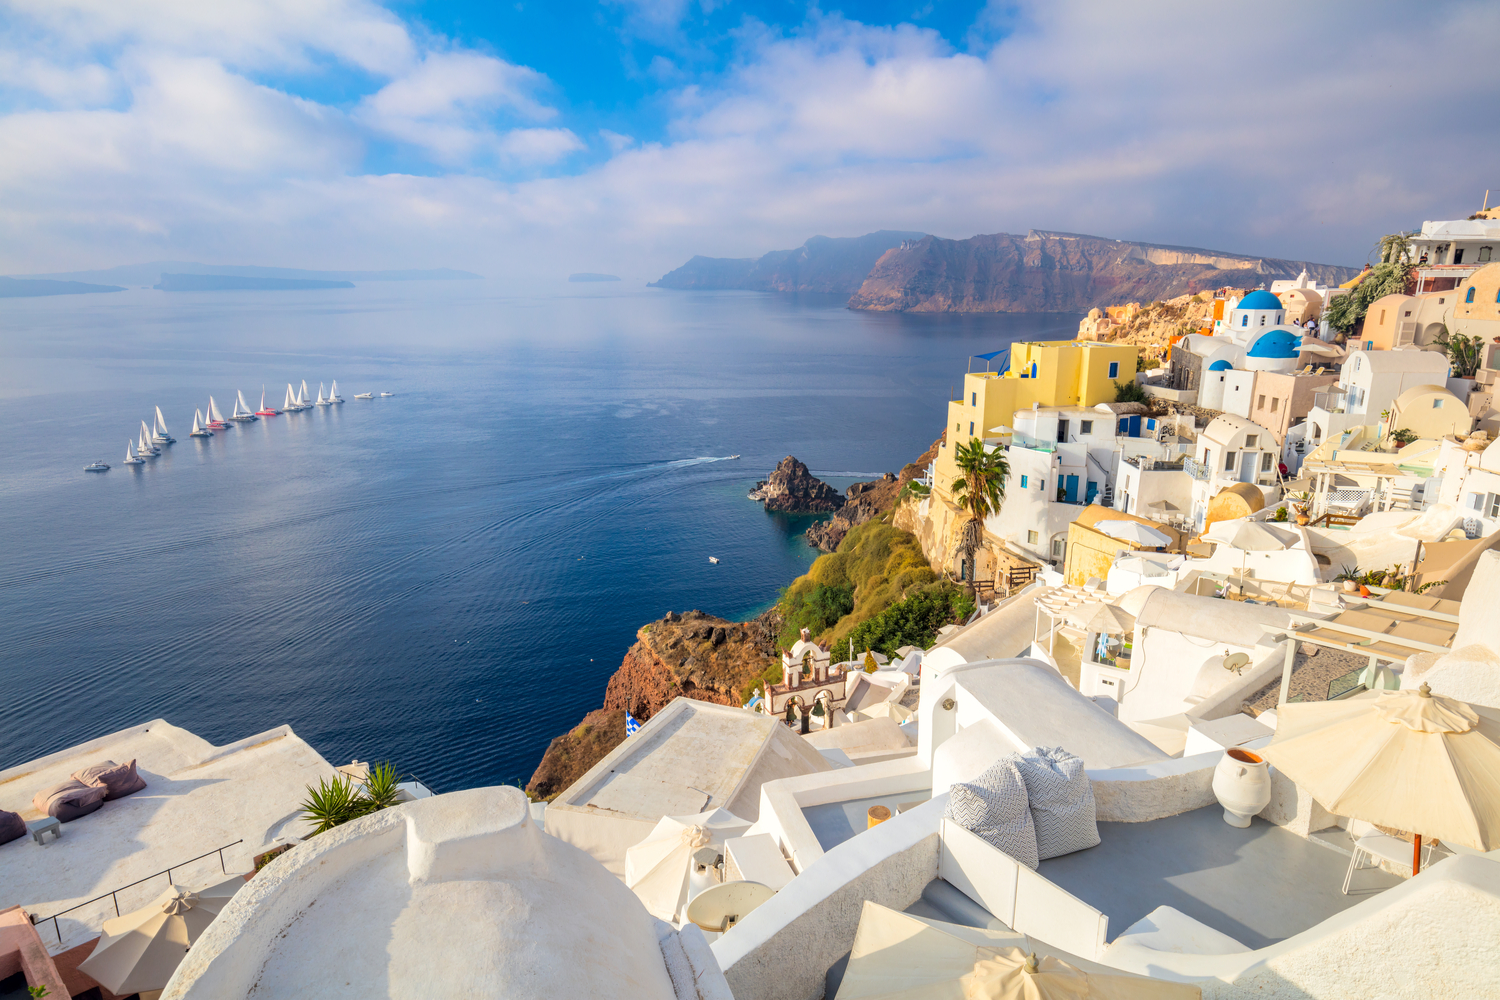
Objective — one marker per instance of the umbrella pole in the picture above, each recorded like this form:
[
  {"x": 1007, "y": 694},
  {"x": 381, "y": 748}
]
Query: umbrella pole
[{"x": 1416, "y": 854}]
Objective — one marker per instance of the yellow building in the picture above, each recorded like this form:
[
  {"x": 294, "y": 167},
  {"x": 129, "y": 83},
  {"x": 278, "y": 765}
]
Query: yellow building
[{"x": 1090, "y": 552}]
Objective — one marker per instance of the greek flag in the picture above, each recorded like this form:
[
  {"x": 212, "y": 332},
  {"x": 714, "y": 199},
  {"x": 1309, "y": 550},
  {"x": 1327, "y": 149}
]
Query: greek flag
[{"x": 632, "y": 724}]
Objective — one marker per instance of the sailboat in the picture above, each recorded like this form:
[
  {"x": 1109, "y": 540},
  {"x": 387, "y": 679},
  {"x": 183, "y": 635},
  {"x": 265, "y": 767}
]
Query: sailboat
[
  {"x": 320, "y": 401},
  {"x": 216, "y": 419},
  {"x": 199, "y": 431},
  {"x": 145, "y": 447},
  {"x": 242, "y": 412},
  {"x": 290, "y": 405},
  {"x": 333, "y": 395},
  {"x": 302, "y": 399},
  {"x": 266, "y": 411},
  {"x": 130, "y": 458},
  {"x": 159, "y": 433}
]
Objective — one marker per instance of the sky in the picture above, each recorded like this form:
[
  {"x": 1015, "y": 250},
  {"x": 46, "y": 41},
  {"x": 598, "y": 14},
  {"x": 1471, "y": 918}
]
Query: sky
[{"x": 531, "y": 139}]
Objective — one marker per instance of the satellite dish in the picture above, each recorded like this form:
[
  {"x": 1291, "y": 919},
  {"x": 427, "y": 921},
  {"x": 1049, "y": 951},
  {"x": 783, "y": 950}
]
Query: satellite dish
[
  {"x": 722, "y": 906},
  {"x": 1236, "y": 662}
]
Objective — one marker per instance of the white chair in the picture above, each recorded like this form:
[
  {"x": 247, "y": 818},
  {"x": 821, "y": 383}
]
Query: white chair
[{"x": 1368, "y": 840}]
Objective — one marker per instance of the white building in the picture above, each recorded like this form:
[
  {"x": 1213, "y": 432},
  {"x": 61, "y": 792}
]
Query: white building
[
  {"x": 1231, "y": 450},
  {"x": 1369, "y": 382},
  {"x": 1446, "y": 253},
  {"x": 1471, "y": 482}
]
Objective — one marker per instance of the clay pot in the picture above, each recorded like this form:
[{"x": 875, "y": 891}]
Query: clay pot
[
  {"x": 1350, "y": 586},
  {"x": 1242, "y": 784},
  {"x": 1302, "y": 519}
]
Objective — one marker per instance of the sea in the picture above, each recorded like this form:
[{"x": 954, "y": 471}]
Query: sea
[{"x": 444, "y": 578}]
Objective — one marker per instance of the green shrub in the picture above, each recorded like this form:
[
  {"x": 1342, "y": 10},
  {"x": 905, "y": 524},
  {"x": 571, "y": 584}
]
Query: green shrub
[
  {"x": 1129, "y": 392},
  {"x": 913, "y": 621}
]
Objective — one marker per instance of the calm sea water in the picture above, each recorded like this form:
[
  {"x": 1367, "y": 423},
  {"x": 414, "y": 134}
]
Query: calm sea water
[{"x": 445, "y": 578}]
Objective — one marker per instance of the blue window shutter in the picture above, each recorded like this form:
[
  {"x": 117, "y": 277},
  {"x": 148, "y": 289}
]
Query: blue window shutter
[
  {"x": 1023, "y": 482},
  {"x": 1114, "y": 369},
  {"x": 971, "y": 428}
]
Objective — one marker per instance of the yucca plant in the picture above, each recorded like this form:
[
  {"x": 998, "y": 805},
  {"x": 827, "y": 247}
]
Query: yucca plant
[
  {"x": 331, "y": 803},
  {"x": 382, "y": 786}
]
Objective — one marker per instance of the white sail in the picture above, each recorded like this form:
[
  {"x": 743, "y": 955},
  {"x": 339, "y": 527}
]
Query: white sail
[
  {"x": 143, "y": 445},
  {"x": 129, "y": 455},
  {"x": 333, "y": 393},
  {"x": 213, "y": 411},
  {"x": 321, "y": 401},
  {"x": 161, "y": 421},
  {"x": 240, "y": 399},
  {"x": 302, "y": 396},
  {"x": 196, "y": 426},
  {"x": 291, "y": 398}
]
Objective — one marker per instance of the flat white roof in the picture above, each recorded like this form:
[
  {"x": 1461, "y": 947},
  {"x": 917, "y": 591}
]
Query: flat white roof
[{"x": 198, "y": 797}]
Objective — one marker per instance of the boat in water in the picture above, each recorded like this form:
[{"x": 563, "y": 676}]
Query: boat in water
[
  {"x": 159, "y": 433},
  {"x": 199, "y": 431},
  {"x": 144, "y": 447},
  {"x": 320, "y": 401},
  {"x": 364, "y": 395},
  {"x": 242, "y": 412},
  {"x": 302, "y": 397},
  {"x": 733, "y": 457},
  {"x": 333, "y": 394},
  {"x": 102, "y": 466},
  {"x": 266, "y": 411},
  {"x": 130, "y": 457},
  {"x": 291, "y": 405},
  {"x": 216, "y": 421},
  {"x": 383, "y": 395}
]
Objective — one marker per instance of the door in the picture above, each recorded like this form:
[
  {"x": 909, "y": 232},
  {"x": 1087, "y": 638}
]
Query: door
[
  {"x": 1093, "y": 491},
  {"x": 1247, "y": 465},
  {"x": 1072, "y": 489},
  {"x": 1062, "y": 432},
  {"x": 1135, "y": 426}
]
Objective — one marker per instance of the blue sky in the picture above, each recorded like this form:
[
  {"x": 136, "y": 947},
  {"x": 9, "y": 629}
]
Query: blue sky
[{"x": 626, "y": 135}]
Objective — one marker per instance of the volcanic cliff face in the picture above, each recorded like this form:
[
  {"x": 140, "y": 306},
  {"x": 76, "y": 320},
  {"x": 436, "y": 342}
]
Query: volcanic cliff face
[
  {"x": 822, "y": 264},
  {"x": 867, "y": 501},
  {"x": 791, "y": 489},
  {"x": 1058, "y": 272},
  {"x": 691, "y": 655}
]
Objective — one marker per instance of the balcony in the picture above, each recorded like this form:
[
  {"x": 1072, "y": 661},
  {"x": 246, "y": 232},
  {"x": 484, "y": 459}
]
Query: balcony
[{"x": 1196, "y": 469}]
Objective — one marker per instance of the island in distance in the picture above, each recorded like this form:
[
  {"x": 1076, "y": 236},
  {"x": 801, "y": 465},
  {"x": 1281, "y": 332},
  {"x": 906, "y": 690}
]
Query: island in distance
[
  {"x": 17, "y": 288},
  {"x": 231, "y": 282},
  {"x": 153, "y": 273},
  {"x": 591, "y": 276}
]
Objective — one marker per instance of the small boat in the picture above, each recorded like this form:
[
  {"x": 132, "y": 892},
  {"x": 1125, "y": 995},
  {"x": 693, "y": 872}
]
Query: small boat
[
  {"x": 714, "y": 560},
  {"x": 242, "y": 413},
  {"x": 199, "y": 431},
  {"x": 320, "y": 401},
  {"x": 216, "y": 421},
  {"x": 733, "y": 457},
  {"x": 159, "y": 433},
  {"x": 144, "y": 447},
  {"x": 102, "y": 466},
  {"x": 130, "y": 458},
  {"x": 333, "y": 394},
  {"x": 364, "y": 395},
  {"x": 383, "y": 395},
  {"x": 266, "y": 411}
]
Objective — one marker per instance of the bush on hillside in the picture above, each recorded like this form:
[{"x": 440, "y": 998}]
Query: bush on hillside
[
  {"x": 816, "y": 610},
  {"x": 914, "y": 621},
  {"x": 1129, "y": 392}
]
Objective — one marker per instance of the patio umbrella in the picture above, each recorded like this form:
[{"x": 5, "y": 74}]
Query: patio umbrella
[
  {"x": 657, "y": 868},
  {"x": 1410, "y": 760},
  {"x": 1163, "y": 505},
  {"x": 1133, "y": 531},
  {"x": 897, "y": 955},
  {"x": 140, "y": 950},
  {"x": 1105, "y": 619},
  {"x": 1250, "y": 536}
]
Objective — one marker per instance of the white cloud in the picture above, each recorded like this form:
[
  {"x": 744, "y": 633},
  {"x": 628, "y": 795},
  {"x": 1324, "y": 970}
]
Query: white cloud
[{"x": 538, "y": 146}]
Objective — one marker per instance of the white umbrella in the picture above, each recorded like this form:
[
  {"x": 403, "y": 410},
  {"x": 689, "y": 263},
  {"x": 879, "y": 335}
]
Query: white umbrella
[
  {"x": 1405, "y": 759},
  {"x": 1249, "y": 536},
  {"x": 657, "y": 868},
  {"x": 1132, "y": 531},
  {"x": 140, "y": 950},
  {"x": 1105, "y": 619}
]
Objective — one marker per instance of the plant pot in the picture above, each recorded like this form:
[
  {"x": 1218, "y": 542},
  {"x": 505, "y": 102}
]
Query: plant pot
[
  {"x": 1350, "y": 586},
  {"x": 1302, "y": 520},
  {"x": 1242, "y": 784}
]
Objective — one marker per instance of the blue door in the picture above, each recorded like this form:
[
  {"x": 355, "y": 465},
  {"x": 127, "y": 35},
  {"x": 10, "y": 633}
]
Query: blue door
[
  {"x": 1135, "y": 426},
  {"x": 1093, "y": 491},
  {"x": 1072, "y": 489}
]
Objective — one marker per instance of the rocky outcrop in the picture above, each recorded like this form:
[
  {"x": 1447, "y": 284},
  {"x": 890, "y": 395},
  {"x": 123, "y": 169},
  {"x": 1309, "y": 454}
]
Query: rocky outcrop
[
  {"x": 688, "y": 655},
  {"x": 791, "y": 489},
  {"x": 867, "y": 501},
  {"x": 1058, "y": 272},
  {"x": 822, "y": 264}
]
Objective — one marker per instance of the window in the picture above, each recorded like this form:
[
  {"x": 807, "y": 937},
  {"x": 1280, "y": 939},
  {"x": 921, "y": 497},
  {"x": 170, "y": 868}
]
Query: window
[
  {"x": 1023, "y": 482},
  {"x": 1494, "y": 505},
  {"x": 1229, "y": 461},
  {"x": 1244, "y": 321},
  {"x": 1041, "y": 484},
  {"x": 1114, "y": 369},
  {"x": 1265, "y": 461},
  {"x": 971, "y": 428},
  {"x": 1085, "y": 427},
  {"x": 1252, "y": 440},
  {"x": 1150, "y": 424},
  {"x": 1262, "y": 321},
  {"x": 1059, "y": 548},
  {"x": 1260, "y": 404},
  {"x": 1382, "y": 316},
  {"x": 1458, "y": 256},
  {"x": 1408, "y": 314},
  {"x": 1437, "y": 404},
  {"x": 973, "y": 399},
  {"x": 1469, "y": 297},
  {"x": 1032, "y": 538},
  {"x": 1274, "y": 401},
  {"x": 1369, "y": 345},
  {"x": 1484, "y": 254}
]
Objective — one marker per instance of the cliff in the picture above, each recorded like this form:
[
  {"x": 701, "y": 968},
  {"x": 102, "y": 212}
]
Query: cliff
[
  {"x": 867, "y": 501},
  {"x": 822, "y": 264},
  {"x": 1058, "y": 272},
  {"x": 690, "y": 655},
  {"x": 791, "y": 489}
]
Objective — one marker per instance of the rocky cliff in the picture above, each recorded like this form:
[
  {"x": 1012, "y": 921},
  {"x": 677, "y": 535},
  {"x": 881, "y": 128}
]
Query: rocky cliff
[
  {"x": 867, "y": 501},
  {"x": 1058, "y": 272},
  {"x": 822, "y": 264},
  {"x": 791, "y": 489},
  {"x": 691, "y": 655}
]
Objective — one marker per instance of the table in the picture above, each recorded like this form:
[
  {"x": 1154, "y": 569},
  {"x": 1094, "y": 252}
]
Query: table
[{"x": 39, "y": 827}]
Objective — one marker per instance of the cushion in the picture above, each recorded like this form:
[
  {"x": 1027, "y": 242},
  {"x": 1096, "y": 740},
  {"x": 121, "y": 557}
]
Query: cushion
[
  {"x": 11, "y": 826},
  {"x": 1062, "y": 801},
  {"x": 119, "y": 780},
  {"x": 993, "y": 807},
  {"x": 69, "y": 800}
]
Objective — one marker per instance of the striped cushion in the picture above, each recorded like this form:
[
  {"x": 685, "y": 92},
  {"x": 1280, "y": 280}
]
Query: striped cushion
[
  {"x": 1062, "y": 801},
  {"x": 993, "y": 807}
]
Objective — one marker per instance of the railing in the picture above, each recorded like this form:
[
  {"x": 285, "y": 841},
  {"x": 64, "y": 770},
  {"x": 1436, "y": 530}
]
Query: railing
[
  {"x": 1331, "y": 519},
  {"x": 1196, "y": 469},
  {"x": 114, "y": 894}
]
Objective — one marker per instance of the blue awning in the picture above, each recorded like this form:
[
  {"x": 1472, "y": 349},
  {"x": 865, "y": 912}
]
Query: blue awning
[{"x": 992, "y": 355}]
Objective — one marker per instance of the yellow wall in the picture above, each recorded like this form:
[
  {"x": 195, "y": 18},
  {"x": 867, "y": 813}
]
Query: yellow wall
[
  {"x": 1418, "y": 415},
  {"x": 1090, "y": 553}
]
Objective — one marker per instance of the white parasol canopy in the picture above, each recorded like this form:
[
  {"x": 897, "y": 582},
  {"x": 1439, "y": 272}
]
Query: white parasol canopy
[
  {"x": 140, "y": 950},
  {"x": 1105, "y": 619},
  {"x": 1250, "y": 536},
  {"x": 1410, "y": 760},
  {"x": 657, "y": 868},
  {"x": 1132, "y": 531},
  {"x": 898, "y": 956}
]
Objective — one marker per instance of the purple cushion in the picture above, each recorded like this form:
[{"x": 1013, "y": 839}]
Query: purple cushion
[
  {"x": 119, "y": 780},
  {"x": 11, "y": 826},
  {"x": 69, "y": 800}
]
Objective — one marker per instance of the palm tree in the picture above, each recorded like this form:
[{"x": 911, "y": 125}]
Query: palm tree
[{"x": 980, "y": 492}]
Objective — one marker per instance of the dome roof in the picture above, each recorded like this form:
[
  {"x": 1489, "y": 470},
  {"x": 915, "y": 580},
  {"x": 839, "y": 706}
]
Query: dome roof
[
  {"x": 1276, "y": 344},
  {"x": 1260, "y": 299},
  {"x": 1220, "y": 366}
]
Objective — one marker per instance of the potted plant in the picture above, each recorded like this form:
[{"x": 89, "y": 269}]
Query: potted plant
[{"x": 1350, "y": 577}]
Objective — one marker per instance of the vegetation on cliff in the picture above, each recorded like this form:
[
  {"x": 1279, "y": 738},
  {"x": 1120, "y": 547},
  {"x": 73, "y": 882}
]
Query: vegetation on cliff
[{"x": 1394, "y": 275}]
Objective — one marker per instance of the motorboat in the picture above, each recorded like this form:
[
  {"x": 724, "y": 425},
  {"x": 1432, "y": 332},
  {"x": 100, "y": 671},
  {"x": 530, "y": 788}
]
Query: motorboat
[
  {"x": 159, "y": 433},
  {"x": 364, "y": 395},
  {"x": 320, "y": 401},
  {"x": 130, "y": 456},
  {"x": 714, "y": 560},
  {"x": 383, "y": 395},
  {"x": 242, "y": 412},
  {"x": 216, "y": 421},
  {"x": 333, "y": 394},
  {"x": 266, "y": 411},
  {"x": 733, "y": 457},
  {"x": 144, "y": 447},
  {"x": 199, "y": 431},
  {"x": 101, "y": 466}
]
